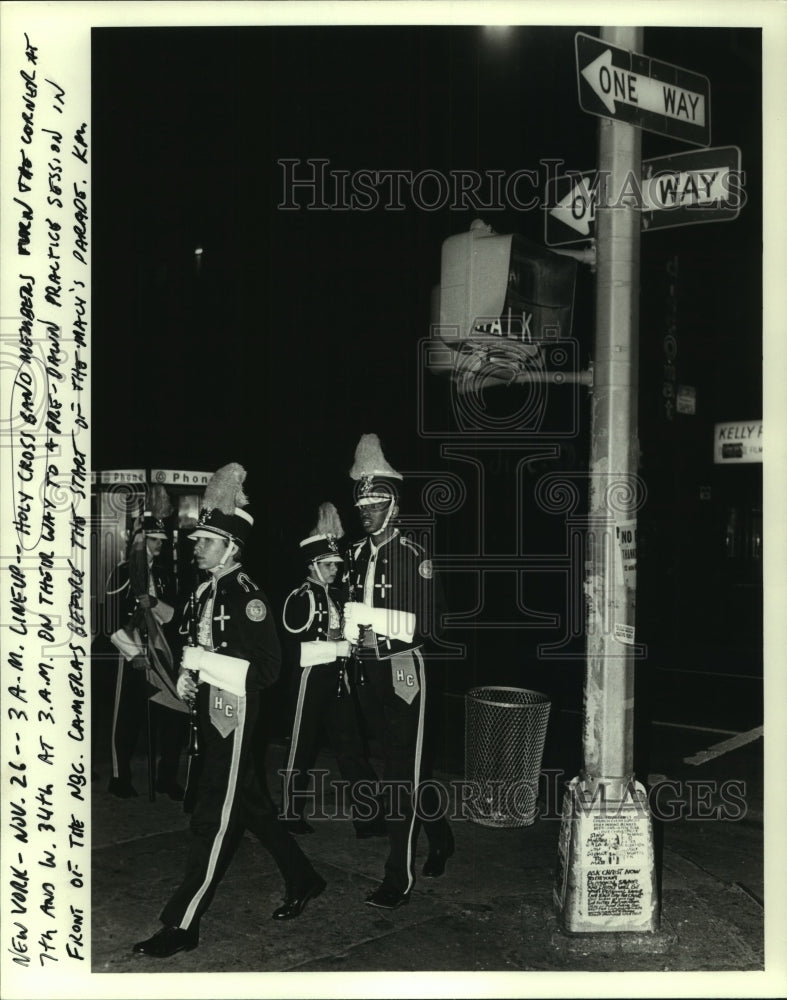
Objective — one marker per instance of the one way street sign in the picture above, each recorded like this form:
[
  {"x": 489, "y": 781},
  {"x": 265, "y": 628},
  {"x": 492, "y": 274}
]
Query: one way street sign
[
  {"x": 699, "y": 185},
  {"x": 633, "y": 88}
]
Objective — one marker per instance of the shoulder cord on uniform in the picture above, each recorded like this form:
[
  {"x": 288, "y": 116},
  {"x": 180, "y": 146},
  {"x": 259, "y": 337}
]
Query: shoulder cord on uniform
[{"x": 295, "y": 631}]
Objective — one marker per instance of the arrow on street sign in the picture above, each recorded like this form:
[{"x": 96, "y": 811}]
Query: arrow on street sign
[
  {"x": 701, "y": 185},
  {"x": 633, "y": 88},
  {"x": 643, "y": 92},
  {"x": 573, "y": 216}
]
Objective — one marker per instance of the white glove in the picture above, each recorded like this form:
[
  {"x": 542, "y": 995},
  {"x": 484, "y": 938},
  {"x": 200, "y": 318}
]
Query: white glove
[
  {"x": 384, "y": 621},
  {"x": 317, "y": 652},
  {"x": 187, "y": 689},
  {"x": 227, "y": 672},
  {"x": 192, "y": 655},
  {"x": 163, "y": 612},
  {"x": 355, "y": 614}
]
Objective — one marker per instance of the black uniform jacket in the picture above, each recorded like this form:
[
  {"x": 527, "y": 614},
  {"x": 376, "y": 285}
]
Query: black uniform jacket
[
  {"x": 120, "y": 602},
  {"x": 403, "y": 580},
  {"x": 307, "y": 618},
  {"x": 242, "y": 625}
]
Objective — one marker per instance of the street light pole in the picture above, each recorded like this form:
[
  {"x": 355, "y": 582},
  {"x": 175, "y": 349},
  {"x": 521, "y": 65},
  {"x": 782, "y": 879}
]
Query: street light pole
[
  {"x": 609, "y": 679},
  {"x": 606, "y": 872}
]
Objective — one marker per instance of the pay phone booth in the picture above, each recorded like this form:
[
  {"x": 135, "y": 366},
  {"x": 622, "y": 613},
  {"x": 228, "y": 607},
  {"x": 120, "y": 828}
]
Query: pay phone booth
[
  {"x": 118, "y": 498},
  {"x": 185, "y": 489}
]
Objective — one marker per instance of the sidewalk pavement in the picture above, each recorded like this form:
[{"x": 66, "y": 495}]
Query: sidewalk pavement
[{"x": 491, "y": 911}]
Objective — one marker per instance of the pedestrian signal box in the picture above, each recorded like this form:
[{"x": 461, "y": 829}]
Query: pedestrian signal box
[{"x": 506, "y": 287}]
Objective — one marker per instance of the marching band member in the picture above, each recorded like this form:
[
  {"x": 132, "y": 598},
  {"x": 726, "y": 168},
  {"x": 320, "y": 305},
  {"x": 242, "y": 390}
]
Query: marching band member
[
  {"x": 322, "y": 695},
  {"x": 392, "y": 595},
  {"x": 236, "y": 656},
  {"x": 139, "y": 604}
]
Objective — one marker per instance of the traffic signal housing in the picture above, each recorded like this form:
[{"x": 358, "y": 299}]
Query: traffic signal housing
[{"x": 501, "y": 298}]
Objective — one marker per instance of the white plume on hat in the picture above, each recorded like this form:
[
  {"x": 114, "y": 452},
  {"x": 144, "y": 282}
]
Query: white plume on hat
[
  {"x": 328, "y": 521},
  {"x": 158, "y": 509},
  {"x": 225, "y": 491},
  {"x": 322, "y": 542},
  {"x": 370, "y": 461},
  {"x": 160, "y": 503},
  {"x": 222, "y": 510}
]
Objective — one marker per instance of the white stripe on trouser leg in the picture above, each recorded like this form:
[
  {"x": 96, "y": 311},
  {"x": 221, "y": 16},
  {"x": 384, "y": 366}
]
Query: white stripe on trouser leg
[
  {"x": 296, "y": 731},
  {"x": 419, "y": 742},
  {"x": 226, "y": 810},
  {"x": 115, "y": 710}
]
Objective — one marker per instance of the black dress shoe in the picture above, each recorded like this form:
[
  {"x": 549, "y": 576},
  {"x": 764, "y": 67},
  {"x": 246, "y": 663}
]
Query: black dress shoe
[
  {"x": 371, "y": 828},
  {"x": 171, "y": 788},
  {"x": 387, "y": 898},
  {"x": 294, "y": 905},
  {"x": 434, "y": 866},
  {"x": 122, "y": 789},
  {"x": 168, "y": 941}
]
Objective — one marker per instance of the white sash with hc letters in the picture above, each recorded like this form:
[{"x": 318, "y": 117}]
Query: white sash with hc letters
[{"x": 224, "y": 709}]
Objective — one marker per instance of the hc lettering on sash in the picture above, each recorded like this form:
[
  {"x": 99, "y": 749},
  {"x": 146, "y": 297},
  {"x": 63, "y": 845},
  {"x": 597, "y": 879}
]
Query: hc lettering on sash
[
  {"x": 220, "y": 706},
  {"x": 223, "y": 710},
  {"x": 405, "y": 680}
]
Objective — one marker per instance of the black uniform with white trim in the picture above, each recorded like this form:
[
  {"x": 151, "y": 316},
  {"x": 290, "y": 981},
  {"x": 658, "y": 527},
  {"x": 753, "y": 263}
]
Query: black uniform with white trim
[
  {"x": 397, "y": 578},
  {"x": 312, "y": 620},
  {"x": 235, "y": 621}
]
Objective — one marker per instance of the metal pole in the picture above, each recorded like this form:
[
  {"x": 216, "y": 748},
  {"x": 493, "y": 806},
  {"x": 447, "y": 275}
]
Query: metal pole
[
  {"x": 609, "y": 678},
  {"x": 606, "y": 875}
]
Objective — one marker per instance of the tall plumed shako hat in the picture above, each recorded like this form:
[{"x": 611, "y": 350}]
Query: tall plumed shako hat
[
  {"x": 222, "y": 510},
  {"x": 158, "y": 509},
  {"x": 323, "y": 540},
  {"x": 375, "y": 479}
]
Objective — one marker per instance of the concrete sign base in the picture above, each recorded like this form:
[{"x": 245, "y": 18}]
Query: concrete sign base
[{"x": 606, "y": 876}]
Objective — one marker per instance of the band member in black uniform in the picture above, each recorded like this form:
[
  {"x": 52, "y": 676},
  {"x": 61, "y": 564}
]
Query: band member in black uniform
[
  {"x": 392, "y": 597},
  {"x": 139, "y": 605},
  {"x": 236, "y": 656},
  {"x": 322, "y": 693}
]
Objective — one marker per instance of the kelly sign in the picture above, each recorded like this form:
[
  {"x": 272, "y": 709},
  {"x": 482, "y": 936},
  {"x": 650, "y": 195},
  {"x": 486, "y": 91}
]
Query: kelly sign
[{"x": 738, "y": 441}]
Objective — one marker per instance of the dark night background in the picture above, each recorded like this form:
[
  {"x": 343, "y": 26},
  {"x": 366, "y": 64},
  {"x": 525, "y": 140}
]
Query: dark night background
[{"x": 300, "y": 331}]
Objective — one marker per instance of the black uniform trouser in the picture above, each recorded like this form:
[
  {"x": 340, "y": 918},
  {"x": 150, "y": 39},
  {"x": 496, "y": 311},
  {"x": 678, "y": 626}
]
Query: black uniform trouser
[
  {"x": 400, "y": 729},
  {"x": 317, "y": 705},
  {"x": 231, "y": 797},
  {"x": 129, "y": 718}
]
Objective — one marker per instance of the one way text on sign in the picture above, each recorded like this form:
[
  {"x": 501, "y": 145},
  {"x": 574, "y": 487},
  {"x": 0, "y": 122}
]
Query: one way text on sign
[
  {"x": 611, "y": 83},
  {"x": 638, "y": 90}
]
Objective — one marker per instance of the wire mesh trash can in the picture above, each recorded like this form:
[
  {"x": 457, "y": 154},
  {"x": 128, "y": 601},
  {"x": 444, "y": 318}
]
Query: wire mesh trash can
[{"x": 505, "y": 731}]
